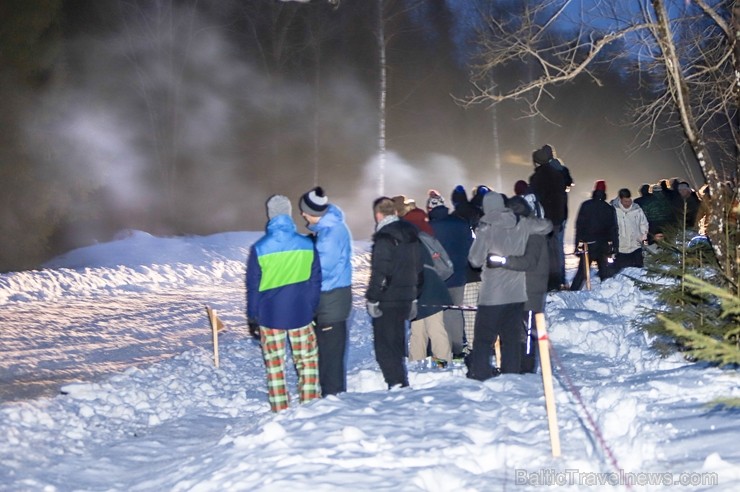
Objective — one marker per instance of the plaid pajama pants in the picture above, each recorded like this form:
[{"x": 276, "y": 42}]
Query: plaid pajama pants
[
  {"x": 305, "y": 358},
  {"x": 470, "y": 298}
]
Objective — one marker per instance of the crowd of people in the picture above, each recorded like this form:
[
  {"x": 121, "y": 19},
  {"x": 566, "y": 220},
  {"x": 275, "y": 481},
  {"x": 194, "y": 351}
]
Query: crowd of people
[{"x": 448, "y": 280}]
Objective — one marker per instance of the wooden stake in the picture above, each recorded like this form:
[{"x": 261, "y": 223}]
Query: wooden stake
[
  {"x": 216, "y": 326},
  {"x": 543, "y": 343},
  {"x": 497, "y": 351},
  {"x": 587, "y": 265}
]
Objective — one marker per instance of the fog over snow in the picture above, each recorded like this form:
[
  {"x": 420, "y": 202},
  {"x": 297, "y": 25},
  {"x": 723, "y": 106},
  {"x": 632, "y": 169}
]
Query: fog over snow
[{"x": 108, "y": 383}]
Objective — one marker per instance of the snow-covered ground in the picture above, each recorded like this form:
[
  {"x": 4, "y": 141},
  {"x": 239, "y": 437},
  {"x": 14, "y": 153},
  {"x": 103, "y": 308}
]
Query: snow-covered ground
[{"x": 108, "y": 384}]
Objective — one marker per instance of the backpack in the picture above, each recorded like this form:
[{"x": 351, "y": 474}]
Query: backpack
[{"x": 440, "y": 259}]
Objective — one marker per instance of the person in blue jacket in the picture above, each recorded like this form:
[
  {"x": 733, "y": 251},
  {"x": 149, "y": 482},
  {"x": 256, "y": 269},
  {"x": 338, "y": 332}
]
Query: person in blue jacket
[
  {"x": 283, "y": 287},
  {"x": 456, "y": 237},
  {"x": 334, "y": 245}
]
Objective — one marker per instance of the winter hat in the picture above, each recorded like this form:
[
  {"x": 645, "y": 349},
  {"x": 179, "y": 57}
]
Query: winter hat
[
  {"x": 541, "y": 156},
  {"x": 520, "y": 187},
  {"x": 478, "y": 193},
  {"x": 548, "y": 151},
  {"x": 481, "y": 190},
  {"x": 519, "y": 206},
  {"x": 434, "y": 200},
  {"x": 314, "y": 202},
  {"x": 600, "y": 185},
  {"x": 278, "y": 205},
  {"x": 459, "y": 195}
]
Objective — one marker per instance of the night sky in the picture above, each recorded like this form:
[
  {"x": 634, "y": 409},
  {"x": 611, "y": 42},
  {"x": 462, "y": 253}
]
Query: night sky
[{"x": 182, "y": 117}]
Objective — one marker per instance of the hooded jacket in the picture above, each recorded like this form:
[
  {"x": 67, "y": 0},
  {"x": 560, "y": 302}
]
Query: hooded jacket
[
  {"x": 548, "y": 185},
  {"x": 501, "y": 233},
  {"x": 334, "y": 246},
  {"x": 633, "y": 226},
  {"x": 597, "y": 222},
  {"x": 283, "y": 277},
  {"x": 396, "y": 268},
  {"x": 456, "y": 238}
]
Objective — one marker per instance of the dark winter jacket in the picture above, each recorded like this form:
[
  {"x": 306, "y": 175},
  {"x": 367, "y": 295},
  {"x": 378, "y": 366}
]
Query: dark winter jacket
[
  {"x": 396, "y": 268},
  {"x": 548, "y": 185},
  {"x": 567, "y": 180},
  {"x": 597, "y": 222},
  {"x": 691, "y": 210},
  {"x": 657, "y": 209},
  {"x": 469, "y": 213},
  {"x": 456, "y": 238},
  {"x": 434, "y": 293},
  {"x": 283, "y": 277},
  {"x": 536, "y": 264}
]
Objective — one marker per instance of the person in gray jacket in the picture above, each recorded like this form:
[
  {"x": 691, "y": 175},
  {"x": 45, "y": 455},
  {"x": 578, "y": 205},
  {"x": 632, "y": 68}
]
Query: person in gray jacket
[
  {"x": 536, "y": 265},
  {"x": 503, "y": 291}
]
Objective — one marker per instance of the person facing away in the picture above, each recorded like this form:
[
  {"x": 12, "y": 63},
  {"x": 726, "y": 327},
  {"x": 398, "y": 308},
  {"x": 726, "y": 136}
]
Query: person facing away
[
  {"x": 403, "y": 204},
  {"x": 334, "y": 246},
  {"x": 503, "y": 292},
  {"x": 396, "y": 278},
  {"x": 688, "y": 205},
  {"x": 473, "y": 213},
  {"x": 633, "y": 229},
  {"x": 535, "y": 263},
  {"x": 456, "y": 238},
  {"x": 522, "y": 189},
  {"x": 548, "y": 185},
  {"x": 283, "y": 288},
  {"x": 596, "y": 228},
  {"x": 428, "y": 328},
  {"x": 657, "y": 210},
  {"x": 462, "y": 208}
]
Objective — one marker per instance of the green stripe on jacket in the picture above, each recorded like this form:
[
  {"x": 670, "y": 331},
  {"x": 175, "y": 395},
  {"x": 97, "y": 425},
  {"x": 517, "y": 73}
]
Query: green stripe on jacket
[{"x": 285, "y": 268}]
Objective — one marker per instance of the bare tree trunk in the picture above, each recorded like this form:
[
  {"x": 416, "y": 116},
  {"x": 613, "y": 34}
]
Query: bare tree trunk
[{"x": 382, "y": 102}]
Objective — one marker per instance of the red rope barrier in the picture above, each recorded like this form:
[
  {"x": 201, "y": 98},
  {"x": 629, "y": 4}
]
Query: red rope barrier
[{"x": 597, "y": 432}]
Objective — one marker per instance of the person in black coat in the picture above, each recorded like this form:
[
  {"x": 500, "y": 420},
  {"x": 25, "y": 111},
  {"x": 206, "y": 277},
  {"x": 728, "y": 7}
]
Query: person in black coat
[
  {"x": 596, "y": 226},
  {"x": 548, "y": 185},
  {"x": 396, "y": 278}
]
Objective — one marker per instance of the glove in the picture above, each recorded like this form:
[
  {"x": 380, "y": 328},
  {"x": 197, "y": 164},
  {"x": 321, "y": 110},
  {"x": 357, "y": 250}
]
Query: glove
[
  {"x": 373, "y": 309},
  {"x": 413, "y": 310},
  {"x": 495, "y": 261},
  {"x": 254, "y": 329}
]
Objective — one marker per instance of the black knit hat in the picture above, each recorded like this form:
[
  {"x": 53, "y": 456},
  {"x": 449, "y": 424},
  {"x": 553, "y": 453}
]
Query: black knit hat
[{"x": 314, "y": 202}]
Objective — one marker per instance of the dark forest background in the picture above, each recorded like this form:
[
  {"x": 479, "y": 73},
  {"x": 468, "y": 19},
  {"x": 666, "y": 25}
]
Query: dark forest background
[{"x": 180, "y": 117}]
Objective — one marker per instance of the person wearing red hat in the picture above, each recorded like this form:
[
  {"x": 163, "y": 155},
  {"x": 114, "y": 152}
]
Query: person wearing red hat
[{"x": 596, "y": 227}]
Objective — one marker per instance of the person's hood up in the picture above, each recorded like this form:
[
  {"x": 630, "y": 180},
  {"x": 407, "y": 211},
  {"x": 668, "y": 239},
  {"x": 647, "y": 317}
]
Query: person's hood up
[{"x": 493, "y": 202}]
